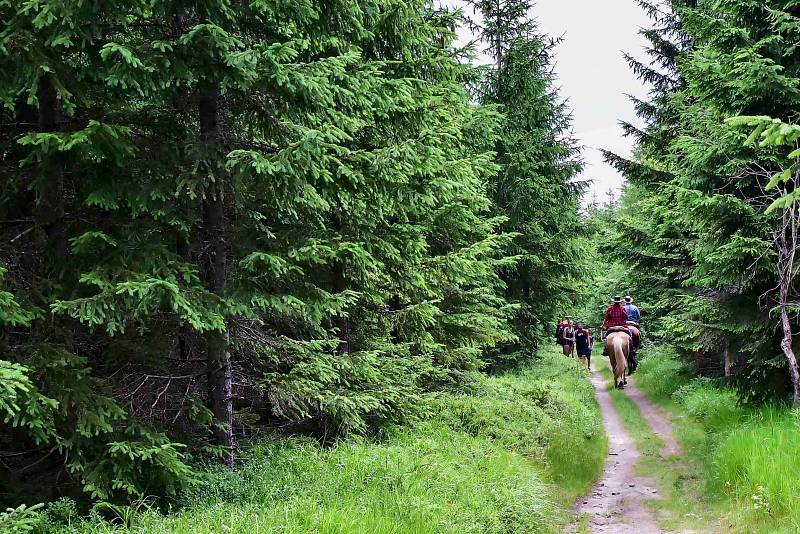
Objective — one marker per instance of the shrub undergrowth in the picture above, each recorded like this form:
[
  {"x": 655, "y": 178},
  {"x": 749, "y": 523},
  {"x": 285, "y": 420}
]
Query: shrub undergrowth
[
  {"x": 749, "y": 454},
  {"x": 510, "y": 455}
]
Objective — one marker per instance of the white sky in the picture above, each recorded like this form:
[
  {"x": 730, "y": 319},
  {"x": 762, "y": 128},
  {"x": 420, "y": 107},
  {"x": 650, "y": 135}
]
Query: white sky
[{"x": 593, "y": 76}]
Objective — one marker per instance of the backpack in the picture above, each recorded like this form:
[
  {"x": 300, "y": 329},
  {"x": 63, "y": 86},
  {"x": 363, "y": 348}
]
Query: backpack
[{"x": 560, "y": 333}]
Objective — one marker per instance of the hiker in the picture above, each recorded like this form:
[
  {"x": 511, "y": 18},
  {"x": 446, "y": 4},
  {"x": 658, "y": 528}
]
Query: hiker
[
  {"x": 584, "y": 343},
  {"x": 560, "y": 331},
  {"x": 569, "y": 338}
]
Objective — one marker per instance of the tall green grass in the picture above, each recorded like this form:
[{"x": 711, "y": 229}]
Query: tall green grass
[
  {"x": 750, "y": 455},
  {"x": 509, "y": 456}
]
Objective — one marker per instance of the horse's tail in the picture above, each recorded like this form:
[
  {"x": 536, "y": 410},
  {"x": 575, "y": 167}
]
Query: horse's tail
[{"x": 620, "y": 356}]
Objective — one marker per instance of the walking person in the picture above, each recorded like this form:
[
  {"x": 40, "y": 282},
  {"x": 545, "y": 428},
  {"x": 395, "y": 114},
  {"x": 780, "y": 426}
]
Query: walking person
[
  {"x": 560, "y": 331},
  {"x": 568, "y": 337},
  {"x": 584, "y": 343}
]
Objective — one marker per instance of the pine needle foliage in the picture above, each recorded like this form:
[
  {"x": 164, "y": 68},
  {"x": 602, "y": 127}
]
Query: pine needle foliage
[
  {"x": 694, "y": 226},
  {"x": 535, "y": 189},
  {"x": 221, "y": 216}
]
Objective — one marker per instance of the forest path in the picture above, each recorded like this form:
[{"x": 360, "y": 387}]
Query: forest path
[
  {"x": 658, "y": 423},
  {"x": 617, "y": 502}
]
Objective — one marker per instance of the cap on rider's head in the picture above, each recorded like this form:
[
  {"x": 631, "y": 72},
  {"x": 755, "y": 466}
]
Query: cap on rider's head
[
  {"x": 617, "y": 299},
  {"x": 628, "y": 299}
]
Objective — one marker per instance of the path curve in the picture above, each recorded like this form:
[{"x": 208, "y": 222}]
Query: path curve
[{"x": 617, "y": 502}]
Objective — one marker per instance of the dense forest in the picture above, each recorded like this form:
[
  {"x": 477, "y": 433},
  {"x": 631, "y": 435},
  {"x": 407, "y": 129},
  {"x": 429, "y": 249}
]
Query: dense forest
[
  {"x": 220, "y": 217},
  {"x": 703, "y": 233},
  {"x": 225, "y": 221}
]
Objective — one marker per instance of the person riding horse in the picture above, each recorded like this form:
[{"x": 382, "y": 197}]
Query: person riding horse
[
  {"x": 616, "y": 316},
  {"x": 634, "y": 315},
  {"x": 617, "y": 340}
]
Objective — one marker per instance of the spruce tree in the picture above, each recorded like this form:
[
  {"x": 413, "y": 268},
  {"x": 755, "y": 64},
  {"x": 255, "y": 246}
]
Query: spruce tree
[
  {"x": 535, "y": 189},
  {"x": 701, "y": 217},
  {"x": 243, "y": 213}
]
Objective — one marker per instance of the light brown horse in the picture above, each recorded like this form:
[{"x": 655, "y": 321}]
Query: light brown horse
[{"x": 618, "y": 345}]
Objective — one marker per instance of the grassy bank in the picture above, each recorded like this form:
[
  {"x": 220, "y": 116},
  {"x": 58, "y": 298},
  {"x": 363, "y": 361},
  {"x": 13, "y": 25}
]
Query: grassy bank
[
  {"x": 748, "y": 457},
  {"x": 509, "y": 456}
]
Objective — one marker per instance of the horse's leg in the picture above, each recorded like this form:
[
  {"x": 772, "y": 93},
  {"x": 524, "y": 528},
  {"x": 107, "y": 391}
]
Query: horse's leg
[
  {"x": 613, "y": 365},
  {"x": 612, "y": 356},
  {"x": 625, "y": 372},
  {"x": 623, "y": 369}
]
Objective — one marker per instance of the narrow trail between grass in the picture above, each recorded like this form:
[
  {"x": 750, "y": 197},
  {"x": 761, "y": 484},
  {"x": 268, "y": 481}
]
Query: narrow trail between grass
[
  {"x": 617, "y": 502},
  {"x": 655, "y": 419}
]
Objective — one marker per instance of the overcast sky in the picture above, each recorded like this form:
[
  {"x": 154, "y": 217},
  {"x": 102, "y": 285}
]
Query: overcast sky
[{"x": 593, "y": 76}]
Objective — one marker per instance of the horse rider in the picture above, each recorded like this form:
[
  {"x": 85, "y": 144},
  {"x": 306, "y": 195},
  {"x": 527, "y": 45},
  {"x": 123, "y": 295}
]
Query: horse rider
[
  {"x": 634, "y": 315},
  {"x": 616, "y": 318}
]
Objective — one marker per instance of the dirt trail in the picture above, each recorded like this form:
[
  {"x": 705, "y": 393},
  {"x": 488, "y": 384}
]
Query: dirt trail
[
  {"x": 658, "y": 423},
  {"x": 616, "y": 504}
]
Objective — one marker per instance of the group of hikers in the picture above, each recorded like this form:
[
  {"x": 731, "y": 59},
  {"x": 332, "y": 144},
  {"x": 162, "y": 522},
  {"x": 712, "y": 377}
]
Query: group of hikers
[{"x": 619, "y": 318}]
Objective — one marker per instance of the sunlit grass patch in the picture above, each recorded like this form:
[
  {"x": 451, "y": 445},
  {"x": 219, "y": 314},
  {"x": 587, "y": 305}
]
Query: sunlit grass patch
[
  {"x": 545, "y": 411},
  {"x": 756, "y": 463},
  {"x": 430, "y": 480}
]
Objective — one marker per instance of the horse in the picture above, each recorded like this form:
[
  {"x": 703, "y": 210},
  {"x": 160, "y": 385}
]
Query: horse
[
  {"x": 618, "y": 346},
  {"x": 636, "y": 341},
  {"x": 635, "y": 332}
]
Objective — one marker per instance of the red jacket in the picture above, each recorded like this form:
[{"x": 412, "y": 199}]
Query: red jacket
[{"x": 616, "y": 315}]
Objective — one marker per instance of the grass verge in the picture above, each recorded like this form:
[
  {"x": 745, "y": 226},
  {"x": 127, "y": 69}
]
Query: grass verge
[
  {"x": 745, "y": 459},
  {"x": 510, "y": 456}
]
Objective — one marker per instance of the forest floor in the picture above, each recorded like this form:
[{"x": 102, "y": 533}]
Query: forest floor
[
  {"x": 507, "y": 453},
  {"x": 642, "y": 449}
]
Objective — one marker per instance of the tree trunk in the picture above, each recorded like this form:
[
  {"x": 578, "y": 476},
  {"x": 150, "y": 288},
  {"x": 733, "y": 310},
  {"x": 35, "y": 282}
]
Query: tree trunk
[
  {"x": 218, "y": 364},
  {"x": 787, "y": 241},
  {"x": 786, "y": 346},
  {"x": 50, "y": 210},
  {"x": 726, "y": 359},
  {"x": 498, "y": 50},
  {"x": 186, "y": 334}
]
